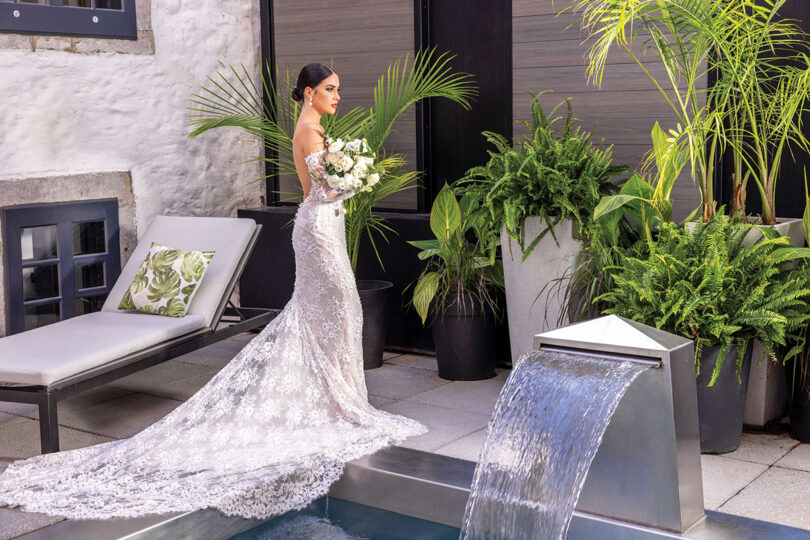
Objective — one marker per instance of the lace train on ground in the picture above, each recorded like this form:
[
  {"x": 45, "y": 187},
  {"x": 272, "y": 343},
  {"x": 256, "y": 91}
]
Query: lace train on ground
[{"x": 269, "y": 433}]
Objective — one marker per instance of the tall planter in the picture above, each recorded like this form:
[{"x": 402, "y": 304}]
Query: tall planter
[
  {"x": 767, "y": 396},
  {"x": 721, "y": 407},
  {"x": 465, "y": 341},
  {"x": 529, "y": 314},
  {"x": 374, "y": 296}
]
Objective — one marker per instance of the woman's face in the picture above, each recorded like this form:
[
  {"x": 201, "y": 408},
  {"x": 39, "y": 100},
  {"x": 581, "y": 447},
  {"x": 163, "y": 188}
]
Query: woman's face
[{"x": 325, "y": 98}]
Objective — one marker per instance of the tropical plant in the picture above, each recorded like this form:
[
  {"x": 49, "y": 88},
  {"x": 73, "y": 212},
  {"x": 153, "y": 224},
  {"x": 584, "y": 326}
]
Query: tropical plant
[
  {"x": 458, "y": 270},
  {"x": 704, "y": 284},
  {"x": 556, "y": 174},
  {"x": 239, "y": 103},
  {"x": 764, "y": 80}
]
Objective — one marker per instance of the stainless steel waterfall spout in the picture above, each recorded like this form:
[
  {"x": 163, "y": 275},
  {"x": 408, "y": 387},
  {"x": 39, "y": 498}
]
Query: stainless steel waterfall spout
[{"x": 647, "y": 469}]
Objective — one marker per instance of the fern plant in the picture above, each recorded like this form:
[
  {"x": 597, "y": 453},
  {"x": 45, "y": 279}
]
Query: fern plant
[
  {"x": 555, "y": 174},
  {"x": 705, "y": 285}
]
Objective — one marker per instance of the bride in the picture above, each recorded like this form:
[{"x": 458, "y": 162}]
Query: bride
[{"x": 273, "y": 429}]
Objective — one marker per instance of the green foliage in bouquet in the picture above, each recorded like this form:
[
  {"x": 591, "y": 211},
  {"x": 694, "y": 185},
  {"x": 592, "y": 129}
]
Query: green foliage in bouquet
[
  {"x": 234, "y": 100},
  {"x": 556, "y": 174},
  {"x": 705, "y": 285},
  {"x": 457, "y": 268}
]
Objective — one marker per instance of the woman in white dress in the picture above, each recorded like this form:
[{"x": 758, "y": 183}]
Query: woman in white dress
[{"x": 273, "y": 429}]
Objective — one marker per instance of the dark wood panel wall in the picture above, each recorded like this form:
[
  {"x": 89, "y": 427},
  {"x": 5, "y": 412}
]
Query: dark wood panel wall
[
  {"x": 548, "y": 55},
  {"x": 358, "y": 40}
]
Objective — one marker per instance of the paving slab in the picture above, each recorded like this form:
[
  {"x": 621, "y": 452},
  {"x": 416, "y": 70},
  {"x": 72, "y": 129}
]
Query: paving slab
[
  {"x": 444, "y": 425},
  {"x": 19, "y": 438},
  {"x": 217, "y": 354},
  {"x": 162, "y": 380},
  {"x": 779, "y": 495},
  {"x": 724, "y": 477},
  {"x": 86, "y": 399},
  {"x": 798, "y": 458},
  {"x": 398, "y": 382},
  {"x": 473, "y": 396},
  {"x": 380, "y": 402},
  {"x": 387, "y": 355},
  {"x": 763, "y": 448},
  {"x": 417, "y": 361},
  {"x": 120, "y": 418},
  {"x": 14, "y": 523},
  {"x": 468, "y": 447}
]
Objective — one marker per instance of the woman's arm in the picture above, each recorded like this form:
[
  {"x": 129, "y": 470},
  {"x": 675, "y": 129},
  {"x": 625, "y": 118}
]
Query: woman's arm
[{"x": 309, "y": 140}]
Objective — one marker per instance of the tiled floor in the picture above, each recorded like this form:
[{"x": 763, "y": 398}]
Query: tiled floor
[{"x": 767, "y": 478}]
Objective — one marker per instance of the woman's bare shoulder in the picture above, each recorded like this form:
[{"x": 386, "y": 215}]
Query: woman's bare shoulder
[{"x": 308, "y": 138}]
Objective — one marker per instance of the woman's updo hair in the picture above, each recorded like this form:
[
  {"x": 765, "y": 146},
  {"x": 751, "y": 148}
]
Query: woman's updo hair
[{"x": 311, "y": 75}]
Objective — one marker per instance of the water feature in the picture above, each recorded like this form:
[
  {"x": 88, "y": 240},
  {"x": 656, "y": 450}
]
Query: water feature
[{"x": 548, "y": 423}]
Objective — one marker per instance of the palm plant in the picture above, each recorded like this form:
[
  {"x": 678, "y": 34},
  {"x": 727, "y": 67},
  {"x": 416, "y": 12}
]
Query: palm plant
[
  {"x": 681, "y": 33},
  {"x": 764, "y": 78},
  {"x": 239, "y": 103}
]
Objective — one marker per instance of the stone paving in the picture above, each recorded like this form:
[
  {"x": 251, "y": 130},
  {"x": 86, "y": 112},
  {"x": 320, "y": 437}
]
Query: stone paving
[{"x": 767, "y": 478}]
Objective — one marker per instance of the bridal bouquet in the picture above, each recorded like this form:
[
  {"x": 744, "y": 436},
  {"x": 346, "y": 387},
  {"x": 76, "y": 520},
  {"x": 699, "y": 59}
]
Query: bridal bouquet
[{"x": 350, "y": 165}]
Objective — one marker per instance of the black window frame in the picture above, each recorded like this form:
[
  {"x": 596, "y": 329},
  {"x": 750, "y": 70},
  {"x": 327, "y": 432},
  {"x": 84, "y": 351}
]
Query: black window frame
[
  {"x": 54, "y": 18},
  {"x": 63, "y": 215}
]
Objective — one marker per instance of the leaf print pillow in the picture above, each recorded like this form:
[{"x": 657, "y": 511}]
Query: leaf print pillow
[{"x": 166, "y": 281}]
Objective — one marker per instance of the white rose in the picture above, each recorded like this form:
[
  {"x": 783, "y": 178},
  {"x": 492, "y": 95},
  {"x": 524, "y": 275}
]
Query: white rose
[
  {"x": 353, "y": 146},
  {"x": 333, "y": 180},
  {"x": 342, "y": 184},
  {"x": 357, "y": 183},
  {"x": 360, "y": 170},
  {"x": 349, "y": 179},
  {"x": 365, "y": 145},
  {"x": 346, "y": 163},
  {"x": 340, "y": 154},
  {"x": 372, "y": 179},
  {"x": 335, "y": 146},
  {"x": 331, "y": 159}
]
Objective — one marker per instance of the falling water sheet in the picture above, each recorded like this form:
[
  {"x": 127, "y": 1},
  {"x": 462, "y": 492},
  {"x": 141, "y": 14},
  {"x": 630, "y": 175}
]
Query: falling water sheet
[{"x": 546, "y": 428}]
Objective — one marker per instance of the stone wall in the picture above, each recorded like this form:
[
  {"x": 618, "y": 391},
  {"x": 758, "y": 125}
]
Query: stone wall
[{"x": 96, "y": 118}]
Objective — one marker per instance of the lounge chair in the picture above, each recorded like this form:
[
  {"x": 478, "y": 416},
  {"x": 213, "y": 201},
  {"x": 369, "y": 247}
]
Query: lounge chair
[{"x": 51, "y": 363}]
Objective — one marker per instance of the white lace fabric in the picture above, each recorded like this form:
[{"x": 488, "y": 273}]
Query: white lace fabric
[{"x": 269, "y": 433}]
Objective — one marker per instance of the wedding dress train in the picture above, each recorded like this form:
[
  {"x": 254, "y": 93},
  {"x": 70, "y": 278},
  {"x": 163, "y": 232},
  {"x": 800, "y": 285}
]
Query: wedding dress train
[{"x": 269, "y": 433}]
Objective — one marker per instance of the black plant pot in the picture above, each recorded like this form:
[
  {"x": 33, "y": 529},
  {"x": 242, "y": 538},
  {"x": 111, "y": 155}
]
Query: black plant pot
[
  {"x": 800, "y": 409},
  {"x": 465, "y": 342},
  {"x": 721, "y": 407},
  {"x": 374, "y": 297}
]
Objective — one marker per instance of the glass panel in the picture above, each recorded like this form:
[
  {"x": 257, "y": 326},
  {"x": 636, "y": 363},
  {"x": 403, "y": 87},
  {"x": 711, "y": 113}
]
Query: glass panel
[
  {"x": 88, "y": 237},
  {"x": 36, "y": 316},
  {"x": 40, "y": 281},
  {"x": 71, "y": 3},
  {"x": 90, "y": 275},
  {"x": 90, "y": 304},
  {"x": 33, "y": 1},
  {"x": 109, "y": 4},
  {"x": 38, "y": 243}
]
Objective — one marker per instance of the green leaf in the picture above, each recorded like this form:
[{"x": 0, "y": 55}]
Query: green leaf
[
  {"x": 445, "y": 215},
  {"x": 193, "y": 266},
  {"x": 614, "y": 202},
  {"x": 424, "y": 292}
]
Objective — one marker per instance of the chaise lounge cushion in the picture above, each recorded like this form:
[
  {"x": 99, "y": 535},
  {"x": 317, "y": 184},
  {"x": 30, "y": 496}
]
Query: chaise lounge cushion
[
  {"x": 228, "y": 237},
  {"x": 51, "y": 353}
]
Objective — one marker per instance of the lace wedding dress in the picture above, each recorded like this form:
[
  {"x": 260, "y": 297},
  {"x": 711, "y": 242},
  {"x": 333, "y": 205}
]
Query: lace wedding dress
[{"x": 269, "y": 433}]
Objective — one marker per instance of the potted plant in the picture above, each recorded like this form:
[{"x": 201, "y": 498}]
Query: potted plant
[
  {"x": 273, "y": 121},
  {"x": 538, "y": 200},
  {"x": 800, "y": 375},
  {"x": 704, "y": 284},
  {"x": 457, "y": 286}
]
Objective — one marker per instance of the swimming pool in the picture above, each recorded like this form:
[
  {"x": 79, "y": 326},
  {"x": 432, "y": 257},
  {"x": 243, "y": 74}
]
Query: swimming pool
[{"x": 335, "y": 519}]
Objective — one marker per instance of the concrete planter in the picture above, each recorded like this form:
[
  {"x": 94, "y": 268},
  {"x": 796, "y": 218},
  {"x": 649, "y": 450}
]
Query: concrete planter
[
  {"x": 767, "y": 388},
  {"x": 767, "y": 396},
  {"x": 529, "y": 314}
]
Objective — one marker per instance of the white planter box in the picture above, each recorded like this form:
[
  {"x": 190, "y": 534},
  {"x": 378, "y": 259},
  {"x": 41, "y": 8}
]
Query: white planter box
[{"x": 547, "y": 262}]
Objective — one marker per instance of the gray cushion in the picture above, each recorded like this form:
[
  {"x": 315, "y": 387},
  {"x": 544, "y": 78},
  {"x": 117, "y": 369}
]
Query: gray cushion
[
  {"x": 51, "y": 353},
  {"x": 229, "y": 237}
]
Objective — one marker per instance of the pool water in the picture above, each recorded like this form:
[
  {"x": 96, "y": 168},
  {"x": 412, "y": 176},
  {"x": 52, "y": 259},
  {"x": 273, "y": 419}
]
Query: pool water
[{"x": 336, "y": 519}]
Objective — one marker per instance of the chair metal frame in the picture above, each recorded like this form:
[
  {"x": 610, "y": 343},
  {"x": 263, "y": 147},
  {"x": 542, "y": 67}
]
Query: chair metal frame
[{"x": 46, "y": 397}]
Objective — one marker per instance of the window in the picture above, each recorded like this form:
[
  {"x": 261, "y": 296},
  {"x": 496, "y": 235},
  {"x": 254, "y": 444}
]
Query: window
[
  {"x": 96, "y": 18},
  {"x": 61, "y": 260}
]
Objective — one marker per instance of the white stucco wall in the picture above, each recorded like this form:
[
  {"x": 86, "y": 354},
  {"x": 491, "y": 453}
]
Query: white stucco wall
[{"x": 69, "y": 112}]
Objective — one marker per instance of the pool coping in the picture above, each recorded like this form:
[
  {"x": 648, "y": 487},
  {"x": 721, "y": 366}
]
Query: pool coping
[{"x": 410, "y": 482}]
